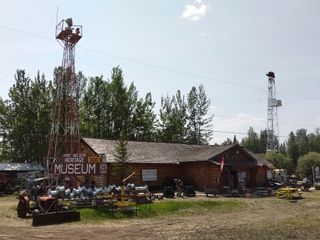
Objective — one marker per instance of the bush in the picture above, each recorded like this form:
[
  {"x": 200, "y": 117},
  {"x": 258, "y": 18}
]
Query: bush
[
  {"x": 306, "y": 162},
  {"x": 280, "y": 161}
]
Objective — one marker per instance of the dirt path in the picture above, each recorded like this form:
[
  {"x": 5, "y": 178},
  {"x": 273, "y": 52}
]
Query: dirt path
[{"x": 265, "y": 218}]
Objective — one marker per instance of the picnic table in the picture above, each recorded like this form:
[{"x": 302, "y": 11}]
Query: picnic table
[{"x": 289, "y": 193}]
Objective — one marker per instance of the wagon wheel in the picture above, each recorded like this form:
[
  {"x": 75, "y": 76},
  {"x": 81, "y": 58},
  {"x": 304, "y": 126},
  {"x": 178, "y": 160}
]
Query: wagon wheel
[{"x": 22, "y": 209}]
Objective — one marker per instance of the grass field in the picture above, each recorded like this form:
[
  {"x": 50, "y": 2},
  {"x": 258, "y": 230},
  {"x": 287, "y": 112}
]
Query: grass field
[{"x": 162, "y": 208}]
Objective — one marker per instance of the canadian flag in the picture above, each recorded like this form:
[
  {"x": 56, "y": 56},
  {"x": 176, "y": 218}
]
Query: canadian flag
[{"x": 221, "y": 163}]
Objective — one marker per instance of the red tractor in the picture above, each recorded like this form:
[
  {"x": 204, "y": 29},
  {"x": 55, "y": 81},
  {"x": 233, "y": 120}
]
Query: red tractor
[{"x": 45, "y": 210}]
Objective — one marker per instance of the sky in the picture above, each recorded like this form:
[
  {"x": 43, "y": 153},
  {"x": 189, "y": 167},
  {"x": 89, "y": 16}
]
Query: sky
[{"x": 165, "y": 45}]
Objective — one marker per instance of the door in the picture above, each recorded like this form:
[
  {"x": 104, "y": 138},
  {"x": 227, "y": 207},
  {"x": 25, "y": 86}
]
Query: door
[{"x": 233, "y": 179}]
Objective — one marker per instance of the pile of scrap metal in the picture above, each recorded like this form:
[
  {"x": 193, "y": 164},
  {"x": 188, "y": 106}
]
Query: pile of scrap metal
[
  {"x": 305, "y": 184},
  {"x": 181, "y": 190},
  {"x": 126, "y": 197},
  {"x": 168, "y": 192},
  {"x": 83, "y": 195}
]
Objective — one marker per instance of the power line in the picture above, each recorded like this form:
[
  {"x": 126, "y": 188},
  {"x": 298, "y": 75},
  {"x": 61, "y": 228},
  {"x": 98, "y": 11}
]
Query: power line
[
  {"x": 160, "y": 67},
  {"x": 27, "y": 33}
]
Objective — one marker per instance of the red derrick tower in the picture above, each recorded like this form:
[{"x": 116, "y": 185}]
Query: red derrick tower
[{"x": 64, "y": 142}]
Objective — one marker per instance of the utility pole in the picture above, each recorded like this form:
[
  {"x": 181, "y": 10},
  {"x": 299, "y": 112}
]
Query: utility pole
[
  {"x": 272, "y": 124},
  {"x": 64, "y": 142}
]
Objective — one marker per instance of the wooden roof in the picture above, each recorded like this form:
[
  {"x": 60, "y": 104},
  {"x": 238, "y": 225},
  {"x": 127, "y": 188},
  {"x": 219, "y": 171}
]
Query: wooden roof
[
  {"x": 21, "y": 167},
  {"x": 165, "y": 153}
]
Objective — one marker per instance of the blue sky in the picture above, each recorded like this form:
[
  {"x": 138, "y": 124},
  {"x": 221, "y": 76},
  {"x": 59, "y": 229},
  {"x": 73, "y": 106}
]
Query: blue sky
[{"x": 220, "y": 44}]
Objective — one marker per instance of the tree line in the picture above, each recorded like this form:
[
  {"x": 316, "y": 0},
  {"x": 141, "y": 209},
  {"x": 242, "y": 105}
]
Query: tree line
[
  {"x": 298, "y": 154},
  {"x": 107, "y": 108}
]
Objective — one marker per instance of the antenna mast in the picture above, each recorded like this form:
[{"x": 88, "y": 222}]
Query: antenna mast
[
  {"x": 64, "y": 142},
  {"x": 272, "y": 124}
]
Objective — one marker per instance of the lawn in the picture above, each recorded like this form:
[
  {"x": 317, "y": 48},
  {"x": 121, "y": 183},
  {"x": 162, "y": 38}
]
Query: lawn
[{"x": 161, "y": 208}]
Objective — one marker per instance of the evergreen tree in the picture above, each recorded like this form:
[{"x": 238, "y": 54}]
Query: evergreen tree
[
  {"x": 144, "y": 119},
  {"x": 173, "y": 119},
  {"x": 314, "y": 141},
  {"x": 282, "y": 148},
  {"x": 263, "y": 141},
  {"x": 109, "y": 106},
  {"x": 121, "y": 156},
  {"x": 165, "y": 124},
  {"x": 235, "y": 140},
  {"x": 6, "y": 153},
  {"x": 123, "y": 103},
  {"x": 251, "y": 142},
  {"x": 293, "y": 149},
  {"x": 94, "y": 109},
  {"x": 302, "y": 141},
  {"x": 27, "y": 116},
  {"x": 199, "y": 124},
  {"x": 227, "y": 142}
]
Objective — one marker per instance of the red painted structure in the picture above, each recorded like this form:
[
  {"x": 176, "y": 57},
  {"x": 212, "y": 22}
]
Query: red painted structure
[{"x": 64, "y": 142}]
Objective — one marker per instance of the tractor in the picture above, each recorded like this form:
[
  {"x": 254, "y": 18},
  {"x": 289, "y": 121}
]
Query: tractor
[{"x": 44, "y": 209}]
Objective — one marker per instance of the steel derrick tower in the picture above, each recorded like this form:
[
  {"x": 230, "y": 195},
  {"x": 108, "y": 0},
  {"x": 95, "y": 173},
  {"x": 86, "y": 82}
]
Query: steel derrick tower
[
  {"x": 64, "y": 142},
  {"x": 272, "y": 124}
]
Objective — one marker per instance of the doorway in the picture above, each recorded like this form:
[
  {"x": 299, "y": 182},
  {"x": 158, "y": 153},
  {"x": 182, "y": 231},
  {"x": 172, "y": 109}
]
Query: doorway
[{"x": 233, "y": 182}]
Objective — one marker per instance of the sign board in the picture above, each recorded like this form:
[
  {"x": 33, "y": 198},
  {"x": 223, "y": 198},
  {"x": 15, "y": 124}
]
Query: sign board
[
  {"x": 149, "y": 175},
  {"x": 77, "y": 164},
  {"x": 76, "y": 168},
  {"x": 94, "y": 159},
  {"x": 68, "y": 158}
]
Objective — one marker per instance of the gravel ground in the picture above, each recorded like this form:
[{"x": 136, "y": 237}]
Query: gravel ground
[{"x": 260, "y": 218}]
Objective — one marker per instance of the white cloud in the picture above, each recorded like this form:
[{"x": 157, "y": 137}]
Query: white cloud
[{"x": 195, "y": 11}]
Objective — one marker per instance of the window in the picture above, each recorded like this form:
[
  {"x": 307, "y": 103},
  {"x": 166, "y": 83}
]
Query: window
[{"x": 149, "y": 175}]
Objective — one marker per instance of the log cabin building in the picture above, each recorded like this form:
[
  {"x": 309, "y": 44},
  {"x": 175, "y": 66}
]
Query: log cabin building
[{"x": 157, "y": 164}]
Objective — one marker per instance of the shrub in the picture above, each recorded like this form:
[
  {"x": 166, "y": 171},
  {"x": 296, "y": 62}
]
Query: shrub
[{"x": 306, "y": 162}]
